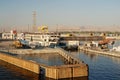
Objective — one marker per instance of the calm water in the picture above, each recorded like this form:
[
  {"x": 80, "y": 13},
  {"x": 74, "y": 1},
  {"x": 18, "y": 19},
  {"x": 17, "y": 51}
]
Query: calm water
[
  {"x": 47, "y": 59},
  {"x": 101, "y": 67}
]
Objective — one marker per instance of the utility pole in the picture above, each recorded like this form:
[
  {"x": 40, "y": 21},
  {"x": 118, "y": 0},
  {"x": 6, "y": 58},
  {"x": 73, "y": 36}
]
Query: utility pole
[
  {"x": 28, "y": 28},
  {"x": 34, "y": 21},
  {"x": 57, "y": 28}
]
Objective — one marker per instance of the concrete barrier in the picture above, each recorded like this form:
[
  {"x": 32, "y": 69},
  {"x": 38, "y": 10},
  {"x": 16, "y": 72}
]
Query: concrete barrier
[
  {"x": 18, "y": 71},
  {"x": 100, "y": 52},
  {"x": 68, "y": 56},
  {"x": 66, "y": 71},
  {"x": 55, "y": 72},
  {"x": 58, "y": 72},
  {"x": 28, "y": 65},
  {"x": 29, "y": 51},
  {"x": 80, "y": 70}
]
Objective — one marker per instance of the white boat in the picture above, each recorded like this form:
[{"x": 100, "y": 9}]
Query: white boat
[
  {"x": 116, "y": 49},
  {"x": 43, "y": 39}
]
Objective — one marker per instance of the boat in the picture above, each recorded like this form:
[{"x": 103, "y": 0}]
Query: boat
[
  {"x": 43, "y": 39},
  {"x": 116, "y": 49}
]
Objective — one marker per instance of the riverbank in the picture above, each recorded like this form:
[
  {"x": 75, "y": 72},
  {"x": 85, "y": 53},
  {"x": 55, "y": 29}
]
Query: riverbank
[{"x": 109, "y": 53}]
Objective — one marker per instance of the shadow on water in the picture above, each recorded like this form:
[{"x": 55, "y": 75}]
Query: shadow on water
[
  {"x": 17, "y": 72},
  {"x": 11, "y": 72},
  {"x": 81, "y": 78}
]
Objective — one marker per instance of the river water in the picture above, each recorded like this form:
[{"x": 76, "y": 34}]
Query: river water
[
  {"x": 101, "y": 67},
  {"x": 51, "y": 59}
]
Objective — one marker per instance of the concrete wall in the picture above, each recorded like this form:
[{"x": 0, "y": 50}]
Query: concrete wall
[
  {"x": 58, "y": 73},
  {"x": 31, "y": 51},
  {"x": 31, "y": 66},
  {"x": 55, "y": 72},
  {"x": 66, "y": 71},
  {"x": 80, "y": 70},
  {"x": 19, "y": 71}
]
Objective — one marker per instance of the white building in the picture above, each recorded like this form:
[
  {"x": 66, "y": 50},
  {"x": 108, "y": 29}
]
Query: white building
[{"x": 7, "y": 35}]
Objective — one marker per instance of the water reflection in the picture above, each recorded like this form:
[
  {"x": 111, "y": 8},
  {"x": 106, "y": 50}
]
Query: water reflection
[
  {"x": 12, "y": 72},
  {"x": 50, "y": 59},
  {"x": 92, "y": 56},
  {"x": 101, "y": 67},
  {"x": 114, "y": 59},
  {"x": 79, "y": 78}
]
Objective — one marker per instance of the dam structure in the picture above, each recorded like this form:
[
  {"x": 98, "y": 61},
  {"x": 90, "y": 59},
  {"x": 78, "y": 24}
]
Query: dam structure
[{"x": 73, "y": 68}]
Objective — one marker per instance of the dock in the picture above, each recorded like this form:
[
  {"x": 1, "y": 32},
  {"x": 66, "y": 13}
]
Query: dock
[
  {"x": 82, "y": 38},
  {"x": 74, "y": 69},
  {"x": 109, "y": 53}
]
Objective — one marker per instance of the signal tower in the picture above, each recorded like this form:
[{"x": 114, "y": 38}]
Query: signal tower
[{"x": 34, "y": 21}]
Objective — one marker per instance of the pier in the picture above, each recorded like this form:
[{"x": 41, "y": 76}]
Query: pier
[
  {"x": 109, "y": 53},
  {"x": 68, "y": 57},
  {"x": 28, "y": 65},
  {"x": 82, "y": 38},
  {"x": 75, "y": 68}
]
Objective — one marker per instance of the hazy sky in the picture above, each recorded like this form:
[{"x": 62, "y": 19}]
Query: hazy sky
[{"x": 61, "y": 12}]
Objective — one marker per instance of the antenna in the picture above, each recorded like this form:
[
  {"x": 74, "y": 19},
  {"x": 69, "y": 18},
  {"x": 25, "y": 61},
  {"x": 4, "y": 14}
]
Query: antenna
[{"x": 34, "y": 21}]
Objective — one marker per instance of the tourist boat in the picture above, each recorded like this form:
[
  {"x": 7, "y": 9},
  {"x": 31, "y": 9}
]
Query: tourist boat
[
  {"x": 69, "y": 44},
  {"x": 42, "y": 39}
]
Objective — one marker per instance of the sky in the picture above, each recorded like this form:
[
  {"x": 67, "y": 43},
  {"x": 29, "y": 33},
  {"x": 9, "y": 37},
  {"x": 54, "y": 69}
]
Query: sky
[{"x": 18, "y": 13}]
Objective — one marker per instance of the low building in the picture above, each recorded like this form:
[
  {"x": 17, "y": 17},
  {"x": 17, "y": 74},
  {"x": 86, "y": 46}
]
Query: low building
[
  {"x": 9, "y": 35},
  {"x": 6, "y": 35}
]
